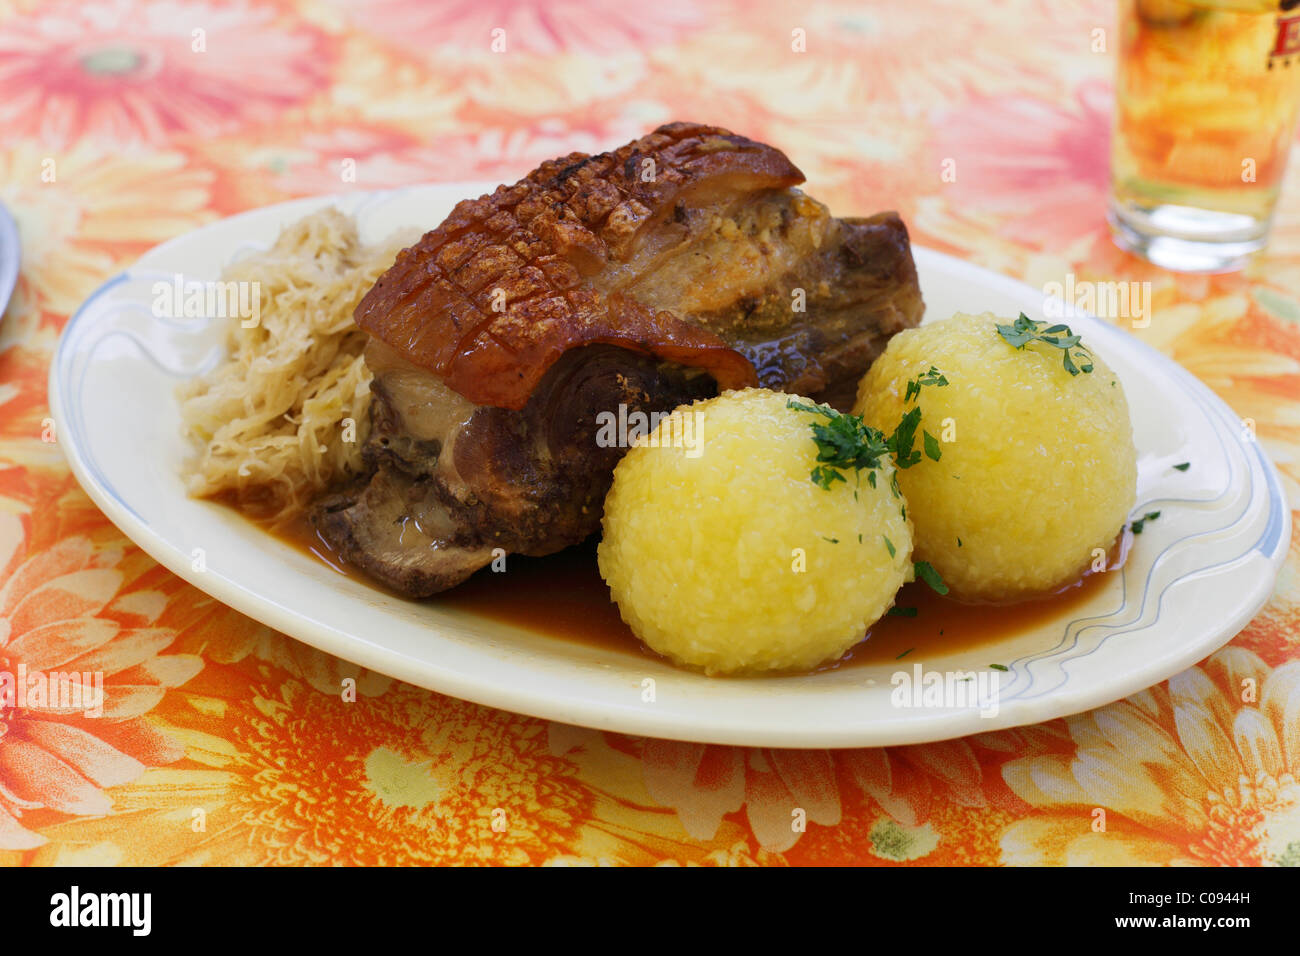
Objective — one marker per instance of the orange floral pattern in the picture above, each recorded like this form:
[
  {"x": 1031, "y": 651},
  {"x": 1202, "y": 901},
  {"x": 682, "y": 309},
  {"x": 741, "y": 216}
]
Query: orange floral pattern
[{"x": 224, "y": 742}]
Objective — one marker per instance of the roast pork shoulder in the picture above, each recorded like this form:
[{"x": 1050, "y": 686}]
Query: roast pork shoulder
[{"x": 648, "y": 277}]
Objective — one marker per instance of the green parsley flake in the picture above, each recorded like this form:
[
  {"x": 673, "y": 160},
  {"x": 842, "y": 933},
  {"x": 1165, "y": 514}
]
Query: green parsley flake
[
  {"x": 900, "y": 443},
  {"x": 1025, "y": 330},
  {"x": 931, "y": 376},
  {"x": 1140, "y": 523},
  {"x": 926, "y": 572},
  {"x": 844, "y": 443}
]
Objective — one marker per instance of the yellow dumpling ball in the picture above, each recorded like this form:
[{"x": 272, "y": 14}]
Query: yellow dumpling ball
[
  {"x": 1037, "y": 467},
  {"x": 724, "y": 555}
]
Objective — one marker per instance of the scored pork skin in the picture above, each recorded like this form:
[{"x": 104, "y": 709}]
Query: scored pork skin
[{"x": 678, "y": 264}]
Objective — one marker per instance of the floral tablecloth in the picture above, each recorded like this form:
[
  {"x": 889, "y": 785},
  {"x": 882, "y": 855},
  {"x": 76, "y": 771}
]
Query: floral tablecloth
[{"x": 126, "y": 122}]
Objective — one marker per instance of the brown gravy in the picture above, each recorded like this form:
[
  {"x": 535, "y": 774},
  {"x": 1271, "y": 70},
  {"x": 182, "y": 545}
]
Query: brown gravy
[{"x": 563, "y": 596}]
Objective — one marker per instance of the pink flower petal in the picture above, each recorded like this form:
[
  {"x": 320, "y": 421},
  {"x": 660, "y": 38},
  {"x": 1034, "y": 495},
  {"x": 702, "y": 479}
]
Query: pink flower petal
[
  {"x": 130, "y": 700},
  {"x": 902, "y": 792},
  {"x": 809, "y": 775},
  {"x": 14, "y": 836},
  {"x": 135, "y": 737},
  {"x": 52, "y": 645},
  {"x": 11, "y": 541},
  {"x": 85, "y": 753},
  {"x": 136, "y": 609},
  {"x": 1207, "y": 744},
  {"x": 120, "y": 702},
  {"x": 1230, "y": 667},
  {"x": 1143, "y": 742},
  {"x": 703, "y": 784},
  {"x": 770, "y": 807},
  {"x": 669, "y": 768},
  {"x": 170, "y": 670},
  {"x": 71, "y": 554},
  {"x": 35, "y": 774},
  {"x": 65, "y": 597},
  {"x": 1193, "y": 686},
  {"x": 1280, "y": 700},
  {"x": 952, "y": 762},
  {"x": 1257, "y": 743},
  {"x": 126, "y": 650}
]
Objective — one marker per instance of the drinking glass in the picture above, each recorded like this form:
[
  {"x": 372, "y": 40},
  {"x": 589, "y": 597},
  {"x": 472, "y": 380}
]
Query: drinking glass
[{"x": 1207, "y": 93}]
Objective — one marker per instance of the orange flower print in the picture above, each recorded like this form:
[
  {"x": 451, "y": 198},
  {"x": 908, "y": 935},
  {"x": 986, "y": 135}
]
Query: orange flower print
[
  {"x": 286, "y": 775},
  {"x": 126, "y": 71},
  {"x": 777, "y": 788},
  {"x": 26, "y": 431},
  {"x": 531, "y": 26},
  {"x": 705, "y": 783},
  {"x": 382, "y": 161},
  {"x": 846, "y": 62},
  {"x": 1041, "y": 169},
  {"x": 81, "y": 212},
  {"x": 1201, "y": 771},
  {"x": 64, "y": 609}
]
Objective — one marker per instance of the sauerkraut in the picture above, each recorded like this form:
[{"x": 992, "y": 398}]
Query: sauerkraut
[{"x": 285, "y": 415}]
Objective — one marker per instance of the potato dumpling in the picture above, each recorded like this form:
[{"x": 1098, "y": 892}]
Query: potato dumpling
[
  {"x": 724, "y": 555},
  {"x": 1037, "y": 466}
]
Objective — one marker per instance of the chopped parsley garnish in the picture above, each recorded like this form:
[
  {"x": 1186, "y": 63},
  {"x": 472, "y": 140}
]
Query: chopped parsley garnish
[
  {"x": 1138, "y": 525},
  {"x": 889, "y": 545},
  {"x": 900, "y": 443},
  {"x": 1025, "y": 330},
  {"x": 831, "y": 540},
  {"x": 901, "y": 612},
  {"x": 999, "y": 667},
  {"x": 1183, "y": 467},
  {"x": 931, "y": 376},
  {"x": 844, "y": 443},
  {"x": 926, "y": 572},
  {"x": 910, "y": 649}
]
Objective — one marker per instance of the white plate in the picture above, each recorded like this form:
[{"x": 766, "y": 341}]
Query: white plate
[
  {"x": 10, "y": 252},
  {"x": 1197, "y": 577}
]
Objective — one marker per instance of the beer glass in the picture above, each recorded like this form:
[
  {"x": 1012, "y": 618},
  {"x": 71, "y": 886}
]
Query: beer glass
[{"x": 1206, "y": 98}]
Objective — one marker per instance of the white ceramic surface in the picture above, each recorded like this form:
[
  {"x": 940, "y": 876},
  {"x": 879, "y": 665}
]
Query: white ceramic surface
[
  {"x": 10, "y": 254},
  {"x": 1195, "y": 579}
]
